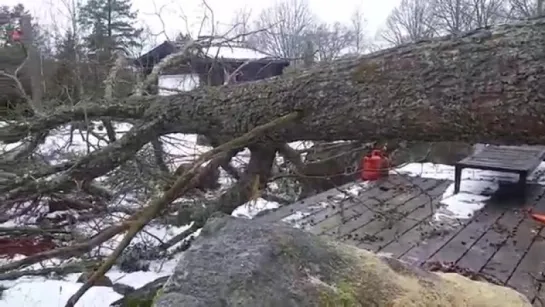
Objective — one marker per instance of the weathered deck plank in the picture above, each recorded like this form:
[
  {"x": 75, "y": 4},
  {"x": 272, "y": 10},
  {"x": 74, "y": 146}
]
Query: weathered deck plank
[
  {"x": 319, "y": 207},
  {"x": 455, "y": 248},
  {"x": 499, "y": 240},
  {"x": 337, "y": 213},
  {"x": 486, "y": 246},
  {"x": 411, "y": 219},
  {"x": 532, "y": 263},
  {"x": 501, "y": 234},
  {"x": 310, "y": 204},
  {"x": 506, "y": 259},
  {"x": 368, "y": 234},
  {"x": 412, "y": 191},
  {"x": 431, "y": 246},
  {"x": 415, "y": 232}
]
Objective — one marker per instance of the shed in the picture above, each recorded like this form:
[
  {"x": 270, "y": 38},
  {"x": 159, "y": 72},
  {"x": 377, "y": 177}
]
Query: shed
[{"x": 211, "y": 69}]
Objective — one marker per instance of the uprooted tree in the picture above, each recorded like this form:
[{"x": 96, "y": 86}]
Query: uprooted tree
[{"x": 483, "y": 86}]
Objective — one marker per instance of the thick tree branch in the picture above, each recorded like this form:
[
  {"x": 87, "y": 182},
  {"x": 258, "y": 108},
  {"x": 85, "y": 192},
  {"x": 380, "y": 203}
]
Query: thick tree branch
[
  {"x": 93, "y": 165},
  {"x": 259, "y": 168},
  {"x": 125, "y": 110},
  {"x": 184, "y": 183}
]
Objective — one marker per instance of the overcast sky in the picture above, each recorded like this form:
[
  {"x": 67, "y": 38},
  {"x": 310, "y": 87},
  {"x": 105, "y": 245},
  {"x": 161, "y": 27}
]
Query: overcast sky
[{"x": 375, "y": 11}]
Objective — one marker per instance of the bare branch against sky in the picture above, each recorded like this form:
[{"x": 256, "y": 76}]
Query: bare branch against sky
[{"x": 410, "y": 21}]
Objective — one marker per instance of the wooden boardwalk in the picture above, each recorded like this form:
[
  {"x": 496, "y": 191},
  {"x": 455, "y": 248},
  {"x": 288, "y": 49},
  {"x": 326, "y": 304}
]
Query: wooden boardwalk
[{"x": 395, "y": 216}]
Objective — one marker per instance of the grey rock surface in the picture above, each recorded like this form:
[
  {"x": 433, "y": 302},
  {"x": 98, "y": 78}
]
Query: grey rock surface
[{"x": 242, "y": 262}]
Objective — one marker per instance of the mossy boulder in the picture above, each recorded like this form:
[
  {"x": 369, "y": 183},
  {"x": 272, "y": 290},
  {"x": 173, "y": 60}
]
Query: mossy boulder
[{"x": 241, "y": 262}]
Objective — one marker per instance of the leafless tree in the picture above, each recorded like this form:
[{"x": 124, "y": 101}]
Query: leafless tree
[
  {"x": 241, "y": 23},
  {"x": 411, "y": 21},
  {"x": 458, "y": 16},
  {"x": 287, "y": 24},
  {"x": 453, "y": 16},
  {"x": 358, "y": 27},
  {"x": 331, "y": 40},
  {"x": 518, "y": 9},
  {"x": 486, "y": 12}
]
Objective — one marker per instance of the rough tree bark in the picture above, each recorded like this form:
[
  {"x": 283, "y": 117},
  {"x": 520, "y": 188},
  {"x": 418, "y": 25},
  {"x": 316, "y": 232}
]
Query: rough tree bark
[
  {"x": 255, "y": 177},
  {"x": 481, "y": 87}
]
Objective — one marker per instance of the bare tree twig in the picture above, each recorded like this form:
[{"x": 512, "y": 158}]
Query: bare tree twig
[{"x": 182, "y": 185}]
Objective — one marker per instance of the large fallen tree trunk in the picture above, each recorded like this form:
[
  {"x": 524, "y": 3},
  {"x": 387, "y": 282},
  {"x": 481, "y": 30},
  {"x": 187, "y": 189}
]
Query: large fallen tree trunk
[{"x": 484, "y": 86}]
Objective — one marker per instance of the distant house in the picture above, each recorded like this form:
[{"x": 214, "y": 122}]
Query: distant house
[{"x": 212, "y": 68}]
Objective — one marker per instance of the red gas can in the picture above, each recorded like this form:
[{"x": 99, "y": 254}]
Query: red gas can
[
  {"x": 374, "y": 166},
  {"x": 16, "y": 35}
]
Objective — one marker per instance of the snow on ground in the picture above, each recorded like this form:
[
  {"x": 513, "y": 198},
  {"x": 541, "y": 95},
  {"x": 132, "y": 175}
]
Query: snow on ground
[
  {"x": 55, "y": 293},
  {"x": 250, "y": 209},
  {"x": 475, "y": 188},
  {"x": 43, "y": 292}
]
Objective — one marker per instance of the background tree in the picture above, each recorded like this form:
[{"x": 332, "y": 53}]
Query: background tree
[
  {"x": 286, "y": 26},
  {"x": 358, "y": 28},
  {"x": 331, "y": 40},
  {"x": 112, "y": 26},
  {"x": 290, "y": 30},
  {"x": 241, "y": 24},
  {"x": 411, "y": 21},
  {"x": 452, "y": 16},
  {"x": 41, "y": 40},
  {"x": 487, "y": 12},
  {"x": 518, "y": 9}
]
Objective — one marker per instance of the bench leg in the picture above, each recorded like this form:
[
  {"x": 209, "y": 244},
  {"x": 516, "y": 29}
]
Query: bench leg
[
  {"x": 457, "y": 179},
  {"x": 521, "y": 185}
]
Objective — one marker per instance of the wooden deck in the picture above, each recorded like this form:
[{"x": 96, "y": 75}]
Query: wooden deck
[{"x": 395, "y": 216}]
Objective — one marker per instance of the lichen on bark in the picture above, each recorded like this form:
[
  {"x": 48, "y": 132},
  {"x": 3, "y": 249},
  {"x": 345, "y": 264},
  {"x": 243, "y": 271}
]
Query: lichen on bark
[{"x": 483, "y": 86}]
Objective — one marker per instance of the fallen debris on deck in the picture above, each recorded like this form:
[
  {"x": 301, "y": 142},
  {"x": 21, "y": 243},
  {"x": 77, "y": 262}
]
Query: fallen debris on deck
[{"x": 420, "y": 220}]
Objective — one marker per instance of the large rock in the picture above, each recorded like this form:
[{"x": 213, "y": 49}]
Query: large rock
[{"x": 239, "y": 262}]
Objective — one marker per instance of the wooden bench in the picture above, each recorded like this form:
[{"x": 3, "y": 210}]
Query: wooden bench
[{"x": 522, "y": 160}]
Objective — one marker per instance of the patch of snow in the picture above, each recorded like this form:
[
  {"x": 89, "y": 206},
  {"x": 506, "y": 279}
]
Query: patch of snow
[
  {"x": 355, "y": 189},
  {"x": 446, "y": 172},
  {"x": 324, "y": 204},
  {"x": 137, "y": 279},
  {"x": 45, "y": 292},
  {"x": 468, "y": 201},
  {"x": 252, "y": 208},
  {"x": 301, "y": 145},
  {"x": 55, "y": 293},
  {"x": 151, "y": 234},
  {"x": 233, "y": 52},
  {"x": 295, "y": 218},
  {"x": 474, "y": 182}
]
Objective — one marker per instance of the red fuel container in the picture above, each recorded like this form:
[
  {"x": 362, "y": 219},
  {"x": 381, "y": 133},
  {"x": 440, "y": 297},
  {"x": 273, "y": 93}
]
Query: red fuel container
[{"x": 374, "y": 166}]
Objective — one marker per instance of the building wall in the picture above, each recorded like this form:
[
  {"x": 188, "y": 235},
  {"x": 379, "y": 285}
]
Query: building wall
[{"x": 183, "y": 82}]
